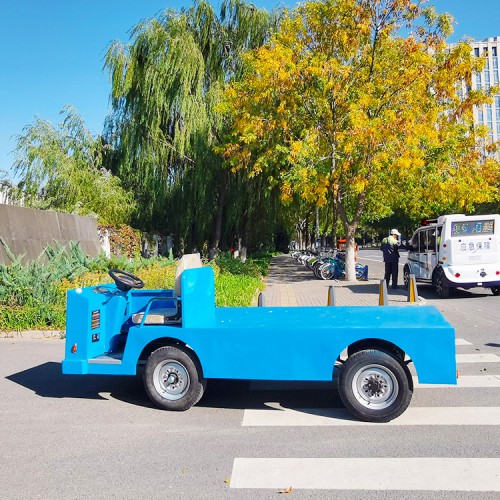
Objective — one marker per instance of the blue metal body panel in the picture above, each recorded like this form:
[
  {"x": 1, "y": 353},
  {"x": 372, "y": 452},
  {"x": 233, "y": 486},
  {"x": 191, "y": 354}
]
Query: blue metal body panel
[{"x": 259, "y": 343}]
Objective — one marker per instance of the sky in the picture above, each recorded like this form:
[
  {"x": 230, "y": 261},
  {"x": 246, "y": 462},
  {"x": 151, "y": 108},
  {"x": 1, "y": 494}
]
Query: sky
[{"x": 52, "y": 51}]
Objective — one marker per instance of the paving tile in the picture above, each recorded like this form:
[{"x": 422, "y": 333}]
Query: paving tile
[{"x": 291, "y": 284}]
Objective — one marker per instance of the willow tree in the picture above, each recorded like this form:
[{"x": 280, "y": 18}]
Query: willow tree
[
  {"x": 61, "y": 168},
  {"x": 166, "y": 85},
  {"x": 340, "y": 105}
]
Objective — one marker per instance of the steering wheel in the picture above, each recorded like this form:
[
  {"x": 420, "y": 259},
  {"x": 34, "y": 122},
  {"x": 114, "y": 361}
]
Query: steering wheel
[{"x": 125, "y": 281}]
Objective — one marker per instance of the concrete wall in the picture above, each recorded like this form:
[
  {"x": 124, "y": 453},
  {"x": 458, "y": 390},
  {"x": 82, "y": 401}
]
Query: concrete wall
[{"x": 28, "y": 231}]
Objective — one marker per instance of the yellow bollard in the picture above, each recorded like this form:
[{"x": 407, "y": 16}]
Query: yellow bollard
[
  {"x": 382, "y": 294},
  {"x": 331, "y": 296},
  {"x": 412, "y": 289}
]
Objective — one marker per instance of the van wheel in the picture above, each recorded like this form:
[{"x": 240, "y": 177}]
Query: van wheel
[
  {"x": 406, "y": 276},
  {"x": 442, "y": 291},
  {"x": 172, "y": 379},
  {"x": 495, "y": 290}
]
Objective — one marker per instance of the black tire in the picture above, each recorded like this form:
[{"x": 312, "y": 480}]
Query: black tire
[
  {"x": 375, "y": 386},
  {"x": 440, "y": 287},
  {"x": 172, "y": 379},
  {"x": 406, "y": 276},
  {"x": 495, "y": 290}
]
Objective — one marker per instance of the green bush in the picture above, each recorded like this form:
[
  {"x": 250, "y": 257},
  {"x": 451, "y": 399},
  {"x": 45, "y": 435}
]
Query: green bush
[
  {"x": 33, "y": 295},
  {"x": 36, "y": 284},
  {"x": 236, "y": 290},
  {"x": 254, "y": 266}
]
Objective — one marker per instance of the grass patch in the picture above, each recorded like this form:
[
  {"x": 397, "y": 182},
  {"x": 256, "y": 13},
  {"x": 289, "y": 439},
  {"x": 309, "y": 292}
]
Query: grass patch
[{"x": 236, "y": 290}]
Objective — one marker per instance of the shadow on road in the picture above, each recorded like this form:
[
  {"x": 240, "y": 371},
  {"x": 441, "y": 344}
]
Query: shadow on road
[
  {"x": 428, "y": 293},
  {"x": 47, "y": 381},
  {"x": 492, "y": 344},
  {"x": 285, "y": 269}
]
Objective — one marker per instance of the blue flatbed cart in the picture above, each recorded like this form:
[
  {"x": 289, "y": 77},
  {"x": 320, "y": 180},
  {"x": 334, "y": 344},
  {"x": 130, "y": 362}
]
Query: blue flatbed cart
[{"x": 184, "y": 339}]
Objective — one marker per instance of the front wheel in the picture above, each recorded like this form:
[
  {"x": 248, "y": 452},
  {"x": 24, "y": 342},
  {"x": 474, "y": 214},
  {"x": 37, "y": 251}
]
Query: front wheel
[
  {"x": 374, "y": 386},
  {"x": 172, "y": 379},
  {"x": 495, "y": 290}
]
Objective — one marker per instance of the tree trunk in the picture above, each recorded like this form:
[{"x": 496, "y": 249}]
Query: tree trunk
[{"x": 350, "y": 263}]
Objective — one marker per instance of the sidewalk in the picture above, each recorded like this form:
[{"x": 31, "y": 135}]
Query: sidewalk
[{"x": 291, "y": 284}]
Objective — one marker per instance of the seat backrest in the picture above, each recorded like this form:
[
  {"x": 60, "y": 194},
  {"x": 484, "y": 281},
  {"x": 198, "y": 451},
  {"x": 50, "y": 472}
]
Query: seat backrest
[{"x": 188, "y": 261}]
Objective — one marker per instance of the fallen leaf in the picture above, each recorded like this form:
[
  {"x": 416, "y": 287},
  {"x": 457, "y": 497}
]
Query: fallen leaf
[
  {"x": 288, "y": 490},
  {"x": 228, "y": 480}
]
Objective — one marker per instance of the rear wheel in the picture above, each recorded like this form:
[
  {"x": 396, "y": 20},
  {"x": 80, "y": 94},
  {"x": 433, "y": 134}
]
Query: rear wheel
[
  {"x": 172, "y": 379},
  {"x": 375, "y": 386},
  {"x": 495, "y": 290},
  {"x": 440, "y": 287}
]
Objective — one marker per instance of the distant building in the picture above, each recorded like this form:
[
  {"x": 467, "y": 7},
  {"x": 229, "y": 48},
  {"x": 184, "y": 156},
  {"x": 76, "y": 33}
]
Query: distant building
[{"x": 488, "y": 114}]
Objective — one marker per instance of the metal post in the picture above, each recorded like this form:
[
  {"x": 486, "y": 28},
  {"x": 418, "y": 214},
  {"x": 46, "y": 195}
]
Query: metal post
[
  {"x": 260, "y": 301},
  {"x": 331, "y": 296},
  {"x": 412, "y": 289},
  {"x": 382, "y": 293}
]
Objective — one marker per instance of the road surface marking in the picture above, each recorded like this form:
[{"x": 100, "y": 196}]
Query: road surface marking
[
  {"x": 462, "y": 342},
  {"x": 404, "y": 474},
  {"x": 308, "y": 417},
  {"x": 477, "y": 358},
  {"x": 464, "y": 382}
]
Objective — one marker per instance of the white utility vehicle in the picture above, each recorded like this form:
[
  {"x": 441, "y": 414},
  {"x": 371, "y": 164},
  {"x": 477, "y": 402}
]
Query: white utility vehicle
[{"x": 456, "y": 251}]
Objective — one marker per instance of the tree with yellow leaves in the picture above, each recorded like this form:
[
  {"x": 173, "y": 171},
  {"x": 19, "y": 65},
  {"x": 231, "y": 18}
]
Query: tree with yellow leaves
[{"x": 361, "y": 101}]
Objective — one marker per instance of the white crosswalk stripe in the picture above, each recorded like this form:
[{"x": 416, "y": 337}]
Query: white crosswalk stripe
[
  {"x": 465, "y": 381},
  {"x": 478, "y": 358},
  {"x": 424, "y": 474},
  {"x": 282, "y": 417},
  {"x": 393, "y": 473}
]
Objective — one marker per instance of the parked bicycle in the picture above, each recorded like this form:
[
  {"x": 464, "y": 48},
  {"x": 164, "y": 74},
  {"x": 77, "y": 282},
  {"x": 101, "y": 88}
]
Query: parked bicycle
[{"x": 330, "y": 265}]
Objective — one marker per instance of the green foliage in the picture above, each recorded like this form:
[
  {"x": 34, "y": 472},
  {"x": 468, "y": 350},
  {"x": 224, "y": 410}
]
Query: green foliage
[
  {"x": 32, "y": 318},
  {"x": 339, "y": 106},
  {"x": 62, "y": 169},
  {"x": 36, "y": 283},
  {"x": 165, "y": 127},
  {"x": 254, "y": 266},
  {"x": 236, "y": 290},
  {"x": 30, "y": 296}
]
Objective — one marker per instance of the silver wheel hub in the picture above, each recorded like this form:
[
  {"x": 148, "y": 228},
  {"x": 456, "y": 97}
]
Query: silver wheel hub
[
  {"x": 171, "y": 380},
  {"x": 375, "y": 387}
]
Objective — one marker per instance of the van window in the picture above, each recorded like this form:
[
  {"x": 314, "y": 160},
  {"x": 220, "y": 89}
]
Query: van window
[
  {"x": 439, "y": 231},
  {"x": 422, "y": 241},
  {"x": 431, "y": 240}
]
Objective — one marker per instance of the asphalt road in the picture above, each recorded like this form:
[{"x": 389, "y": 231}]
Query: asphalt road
[{"x": 99, "y": 437}]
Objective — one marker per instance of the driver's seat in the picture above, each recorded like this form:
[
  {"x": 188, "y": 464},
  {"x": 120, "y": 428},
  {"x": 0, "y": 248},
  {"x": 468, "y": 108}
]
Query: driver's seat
[{"x": 158, "y": 316}]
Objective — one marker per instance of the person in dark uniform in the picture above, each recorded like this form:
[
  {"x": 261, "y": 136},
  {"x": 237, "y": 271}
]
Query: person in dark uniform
[{"x": 390, "y": 249}]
